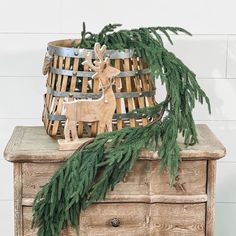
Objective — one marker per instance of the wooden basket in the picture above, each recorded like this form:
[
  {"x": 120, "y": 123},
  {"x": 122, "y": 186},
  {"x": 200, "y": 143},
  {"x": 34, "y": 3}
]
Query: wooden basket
[{"x": 68, "y": 79}]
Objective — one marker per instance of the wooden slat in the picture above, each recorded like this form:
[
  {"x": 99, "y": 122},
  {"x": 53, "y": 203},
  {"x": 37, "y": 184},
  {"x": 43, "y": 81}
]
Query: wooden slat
[
  {"x": 138, "y": 84},
  {"x": 60, "y": 100},
  {"x": 49, "y": 97},
  {"x": 145, "y": 82},
  {"x": 74, "y": 77},
  {"x": 118, "y": 86},
  {"x": 129, "y": 89}
]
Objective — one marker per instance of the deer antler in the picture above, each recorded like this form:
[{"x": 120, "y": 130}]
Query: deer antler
[
  {"x": 88, "y": 61},
  {"x": 100, "y": 51}
]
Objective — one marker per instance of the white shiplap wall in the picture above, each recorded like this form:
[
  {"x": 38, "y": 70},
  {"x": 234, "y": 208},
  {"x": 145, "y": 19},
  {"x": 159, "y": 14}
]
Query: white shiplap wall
[{"x": 26, "y": 28}]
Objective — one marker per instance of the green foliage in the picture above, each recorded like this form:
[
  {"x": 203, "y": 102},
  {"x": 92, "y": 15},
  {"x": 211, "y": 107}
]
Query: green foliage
[{"x": 97, "y": 167}]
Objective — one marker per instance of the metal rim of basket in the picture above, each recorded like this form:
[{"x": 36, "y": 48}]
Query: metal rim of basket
[{"x": 81, "y": 52}]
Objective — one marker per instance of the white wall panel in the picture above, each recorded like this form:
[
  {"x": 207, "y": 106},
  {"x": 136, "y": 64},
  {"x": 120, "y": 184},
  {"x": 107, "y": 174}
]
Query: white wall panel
[
  {"x": 30, "y": 16},
  {"x": 231, "y": 64},
  {"x": 6, "y": 180},
  {"x": 204, "y": 54},
  {"x": 225, "y": 219},
  {"x": 7, "y": 216},
  {"x": 222, "y": 93},
  {"x": 203, "y": 16},
  {"x": 225, "y": 182},
  {"x": 22, "y": 97},
  {"x": 226, "y": 133},
  {"x": 23, "y": 54}
]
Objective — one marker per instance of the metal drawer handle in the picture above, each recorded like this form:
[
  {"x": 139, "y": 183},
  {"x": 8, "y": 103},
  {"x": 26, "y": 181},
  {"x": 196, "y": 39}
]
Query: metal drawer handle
[{"x": 115, "y": 222}]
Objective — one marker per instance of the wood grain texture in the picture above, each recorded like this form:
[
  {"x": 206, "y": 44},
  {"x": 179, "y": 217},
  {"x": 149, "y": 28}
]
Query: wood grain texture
[
  {"x": 143, "y": 180},
  {"x": 144, "y": 202},
  {"x": 148, "y": 220},
  {"x": 32, "y": 144},
  {"x": 211, "y": 181},
  {"x": 178, "y": 220},
  {"x": 18, "y": 199}
]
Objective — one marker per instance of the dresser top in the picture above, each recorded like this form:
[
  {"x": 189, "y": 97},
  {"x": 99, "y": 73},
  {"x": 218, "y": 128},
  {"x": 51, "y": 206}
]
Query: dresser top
[{"x": 32, "y": 144}]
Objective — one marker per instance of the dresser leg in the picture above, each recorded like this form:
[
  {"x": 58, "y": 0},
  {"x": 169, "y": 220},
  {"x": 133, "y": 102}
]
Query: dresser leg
[
  {"x": 210, "y": 214},
  {"x": 18, "y": 199}
]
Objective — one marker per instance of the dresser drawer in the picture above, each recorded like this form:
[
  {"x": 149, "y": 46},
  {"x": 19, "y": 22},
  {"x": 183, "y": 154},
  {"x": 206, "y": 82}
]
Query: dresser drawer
[
  {"x": 178, "y": 219},
  {"x": 135, "y": 219},
  {"x": 143, "y": 179},
  {"x": 127, "y": 219}
]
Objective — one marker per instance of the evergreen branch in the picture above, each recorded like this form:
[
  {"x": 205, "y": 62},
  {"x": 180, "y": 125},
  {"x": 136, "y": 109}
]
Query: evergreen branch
[{"x": 97, "y": 167}]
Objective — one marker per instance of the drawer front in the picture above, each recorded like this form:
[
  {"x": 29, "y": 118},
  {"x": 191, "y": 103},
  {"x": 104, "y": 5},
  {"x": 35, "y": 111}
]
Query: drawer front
[
  {"x": 191, "y": 179},
  {"x": 178, "y": 219},
  {"x": 135, "y": 219},
  {"x": 127, "y": 219},
  {"x": 143, "y": 179}
]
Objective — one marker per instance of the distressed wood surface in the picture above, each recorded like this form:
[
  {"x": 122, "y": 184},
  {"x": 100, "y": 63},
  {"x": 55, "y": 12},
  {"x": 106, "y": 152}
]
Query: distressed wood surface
[
  {"x": 178, "y": 220},
  {"x": 144, "y": 202},
  {"x": 18, "y": 199},
  {"x": 211, "y": 176},
  {"x": 148, "y": 220},
  {"x": 31, "y": 144},
  {"x": 142, "y": 183}
]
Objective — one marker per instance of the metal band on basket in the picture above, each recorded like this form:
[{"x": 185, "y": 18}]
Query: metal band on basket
[
  {"x": 79, "y": 95},
  {"x": 89, "y": 74},
  {"x": 80, "y": 53},
  {"x": 115, "y": 116}
]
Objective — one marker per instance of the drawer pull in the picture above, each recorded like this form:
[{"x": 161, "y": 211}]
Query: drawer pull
[{"x": 115, "y": 222}]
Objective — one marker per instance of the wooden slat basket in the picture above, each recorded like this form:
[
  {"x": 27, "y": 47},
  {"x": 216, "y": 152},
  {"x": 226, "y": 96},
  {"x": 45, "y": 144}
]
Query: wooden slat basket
[{"x": 68, "y": 79}]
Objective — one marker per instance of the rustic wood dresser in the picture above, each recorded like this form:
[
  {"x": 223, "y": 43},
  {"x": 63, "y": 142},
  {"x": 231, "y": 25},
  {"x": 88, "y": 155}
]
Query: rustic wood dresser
[{"x": 143, "y": 204}]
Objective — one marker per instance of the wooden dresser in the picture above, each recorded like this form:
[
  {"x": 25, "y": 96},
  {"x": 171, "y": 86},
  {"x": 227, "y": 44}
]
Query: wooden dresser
[{"x": 142, "y": 205}]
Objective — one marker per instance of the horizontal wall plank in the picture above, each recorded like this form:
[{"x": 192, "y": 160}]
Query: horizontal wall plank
[
  {"x": 7, "y": 218},
  {"x": 30, "y": 16},
  {"x": 231, "y": 63},
  {"x": 225, "y": 182},
  {"x": 23, "y": 54},
  {"x": 23, "y": 97},
  {"x": 222, "y": 92},
  {"x": 226, "y": 133},
  {"x": 47, "y": 16},
  {"x": 204, "y": 54},
  {"x": 225, "y": 219},
  {"x": 6, "y": 180}
]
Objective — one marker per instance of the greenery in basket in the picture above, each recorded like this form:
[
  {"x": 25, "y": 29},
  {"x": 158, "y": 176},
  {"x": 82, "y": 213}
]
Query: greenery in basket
[{"x": 77, "y": 183}]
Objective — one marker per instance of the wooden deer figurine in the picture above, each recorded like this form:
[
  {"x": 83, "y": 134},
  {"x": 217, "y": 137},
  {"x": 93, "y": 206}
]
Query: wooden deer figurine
[{"x": 100, "y": 110}]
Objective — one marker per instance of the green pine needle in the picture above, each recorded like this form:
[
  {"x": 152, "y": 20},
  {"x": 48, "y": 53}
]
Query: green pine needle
[{"x": 92, "y": 171}]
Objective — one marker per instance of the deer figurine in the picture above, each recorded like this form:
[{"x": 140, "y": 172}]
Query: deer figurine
[{"x": 100, "y": 110}]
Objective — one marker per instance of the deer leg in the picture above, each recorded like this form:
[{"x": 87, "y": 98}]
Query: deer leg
[
  {"x": 74, "y": 131},
  {"x": 109, "y": 126},
  {"x": 67, "y": 131},
  {"x": 101, "y": 127}
]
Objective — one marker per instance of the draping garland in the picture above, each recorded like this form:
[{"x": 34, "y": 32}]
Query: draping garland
[{"x": 77, "y": 184}]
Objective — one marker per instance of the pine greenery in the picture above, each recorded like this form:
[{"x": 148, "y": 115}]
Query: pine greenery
[{"x": 99, "y": 165}]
